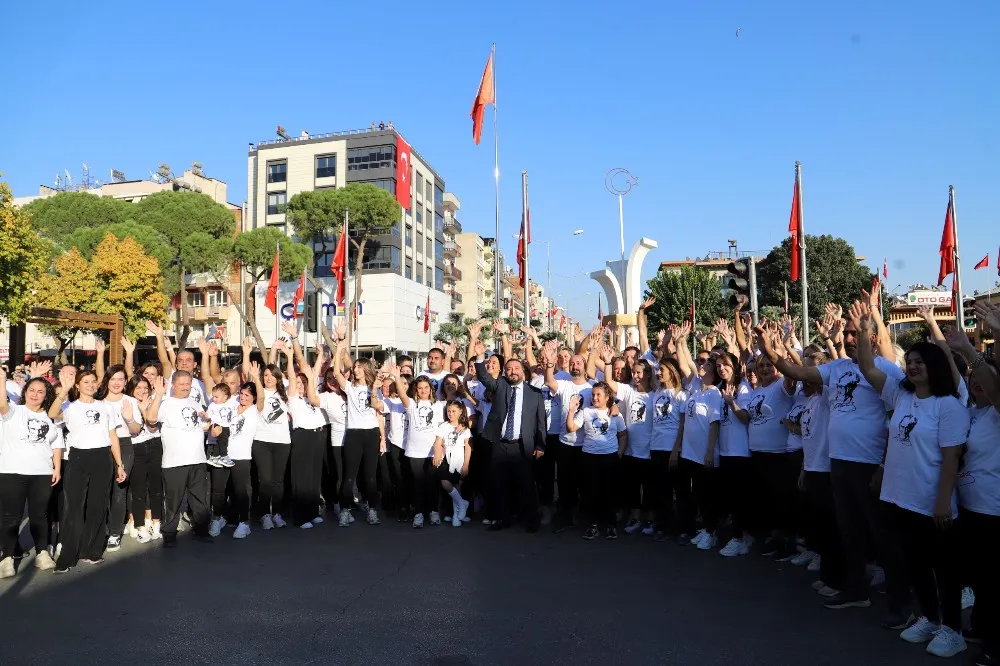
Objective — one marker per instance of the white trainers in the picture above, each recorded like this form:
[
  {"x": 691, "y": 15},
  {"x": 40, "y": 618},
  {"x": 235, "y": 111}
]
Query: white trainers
[
  {"x": 708, "y": 541},
  {"x": 696, "y": 541},
  {"x": 306, "y": 526},
  {"x": 44, "y": 561},
  {"x": 816, "y": 563},
  {"x": 215, "y": 527},
  {"x": 461, "y": 511},
  {"x": 130, "y": 527},
  {"x": 345, "y": 518},
  {"x": 648, "y": 529},
  {"x": 803, "y": 558},
  {"x": 968, "y": 598},
  {"x": 732, "y": 549},
  {"x": 142, "y": 534},
  {"x": 114, "y": 543},
  {"x": 876, "y": 576},
  {"x": 921, "y": 631},
  {"x": 435, "y": 518},
  {"x": 827, "y": 591},
  {"x": 278, "y": 520},
  {"x": 947, "y": 642},
  {"x": 318, "y": 520},
  {"x": 418, "y": 521},
  {"x": 7, "y": 567},
  {"x": 266, "y": 522},
  {"x": 372, "y": 517},
  {"x": 154, "y": 533},
  {"x": 242, "y": 531},
  {"x": 632, "y": 526}
]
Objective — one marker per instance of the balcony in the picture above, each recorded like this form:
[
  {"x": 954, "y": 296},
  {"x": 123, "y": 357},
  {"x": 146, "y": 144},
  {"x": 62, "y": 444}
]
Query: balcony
[
  {"x": 451, "y": 225},
  {"x": 452, "y": 272},
  {"x": 213, "y": 313},
  {"x": 451, "y": 249},
  {"x": 455, "y": 296}
]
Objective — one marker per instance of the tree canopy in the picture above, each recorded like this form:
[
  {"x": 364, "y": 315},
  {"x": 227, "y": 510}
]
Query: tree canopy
[
  {"x": 23, "y": 256},
  {"x": 255, "y": 249},
  {"x": 58, "y": 217},
  {"x": 154, "y": 244},
  {"x": 673, "y": 292}
]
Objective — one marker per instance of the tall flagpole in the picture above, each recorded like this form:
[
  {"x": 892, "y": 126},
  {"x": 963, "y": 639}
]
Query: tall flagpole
[
  {"x": 959, "y": 305},
  {"x": 497, "y": 268},
  {"x": 694, "y": 331},
  {"x": 525, "y": 237},
  {"x": 277, "y": 308},
  {"x": 802, "y": 258}
]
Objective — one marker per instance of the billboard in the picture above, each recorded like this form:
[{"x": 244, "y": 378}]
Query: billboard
[{"x": 928, "y": 297}]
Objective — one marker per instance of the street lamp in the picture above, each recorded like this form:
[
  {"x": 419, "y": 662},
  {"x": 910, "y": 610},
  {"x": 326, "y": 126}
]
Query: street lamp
[{"x": 548, "y": 271}]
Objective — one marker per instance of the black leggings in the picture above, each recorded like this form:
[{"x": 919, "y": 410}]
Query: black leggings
[
  {"x": 119, "y": 491},
  {"x": 394, "y": 488},
  {"x": 146, "y": 481},
  {"x": 87, "y": 487},
  {"x": 768, "y": 473},
  {"x": 308, "y": 449},
  {"x": 360, "y": 451},
  {"x": 703, "y": 496},
  {"x": 826, "y": 536},
  {"x": 567, "y": 461},
  {"x": 981, "y": 543},
  {"x": 240, "y": 475},
  {"x": 425, "y": 485},
  {"x": 270, "y": 459},
  {"x": 479, "y": 473},
  {"x": 15, "y": 489},
  {"x": 333, "y": 472},
  {"x": 664, "y": 480},
  {"x": 600, "y": 474},
  {"x": 736, "y": 492}
]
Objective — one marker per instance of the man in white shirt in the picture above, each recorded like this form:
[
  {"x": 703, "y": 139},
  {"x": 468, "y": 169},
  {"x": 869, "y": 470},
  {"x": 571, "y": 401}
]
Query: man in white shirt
[{"x": 562, "y": 447}]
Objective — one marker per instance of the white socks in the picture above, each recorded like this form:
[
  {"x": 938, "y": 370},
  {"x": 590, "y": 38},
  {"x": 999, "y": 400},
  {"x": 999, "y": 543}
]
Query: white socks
[{"x": 455, "y": 496}]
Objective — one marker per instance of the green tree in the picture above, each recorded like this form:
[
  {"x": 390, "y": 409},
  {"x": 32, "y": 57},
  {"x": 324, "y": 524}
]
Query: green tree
[
  {"x": 453, "y": 330},
  {"x": 912, "y": 335},
  {"x": 673, "y": 292},
  {"x": 59, "y": 216},
  {"x": 23, "y": 256},
  {"x": 154, "y": 244},
  {"x": 833, "y": 272}
]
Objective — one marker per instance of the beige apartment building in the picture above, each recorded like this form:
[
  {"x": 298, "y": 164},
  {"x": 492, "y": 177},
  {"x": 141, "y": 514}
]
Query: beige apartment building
[{"x": 475, "y": 285}]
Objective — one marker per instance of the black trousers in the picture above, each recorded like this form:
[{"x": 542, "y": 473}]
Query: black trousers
[
  {"x": 239, "y": 474},
  {"x": 333, "y": 472},
  {"x": 56, "y": 505},
  {"x": 512, "y": 472},
  {"x": 120, "y": 491},
  {"x": 769, "y": 473},
  {"x": 635, "y": 480},
  {"x": 931, "y": 556},
  {"x": 479, "y": 480},
  {"x": 146, "y": 482},
  {"x": 736, "y": 492},
  {"x": 87, "y": 487},
  {"x": 981, "y": 550},
  {"x": 15, "y": 490},
  {"x": 425, "y": 485},
  {"x": 545, "y": 473},
  {"x": 664, "y": 480},
  {"x": 186, "y": 482},
  {"x": 703, "y": 496},
  {"x": 826, "y": 536},
  {"x": 361, "y": 453},
  {"x": 270, "y": 459},
  {"x": 792, "y": 504},
  {"x": 308, "y": 449},
  {"x": 391, "y": 464},
  {"x": 568, "y": 476},
  {"x": 859, "y": 517},
  {"x": 600, "y": 472}
]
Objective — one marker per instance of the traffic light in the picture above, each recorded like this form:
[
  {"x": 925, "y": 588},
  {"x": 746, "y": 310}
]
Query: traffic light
[
  {"x": 742, "y": 281},
  {"x": 311, "y": 313}
]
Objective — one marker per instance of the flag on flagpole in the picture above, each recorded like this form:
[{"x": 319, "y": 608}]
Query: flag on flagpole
[
  {"x": 947, "y": 249},
  {"x": 300, "y": 294},
  {"x": 600, "y": 311},
  {"x": 403, "y": 162},
  {"x": 885, "y": 268},
  {"x": 271, "y": 300},
  {"x": 795, "y": 229},
  {"x": 339, "y": 267},
  {"x": 427, "y": 313},
  {"x": 983, "y": 263},
  {"x": 485, "y": 97},
  {"x": 522, "y": 242}
]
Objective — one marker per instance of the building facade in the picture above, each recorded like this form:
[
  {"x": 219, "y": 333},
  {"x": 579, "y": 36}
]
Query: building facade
[{"x": 476, "y": 281}]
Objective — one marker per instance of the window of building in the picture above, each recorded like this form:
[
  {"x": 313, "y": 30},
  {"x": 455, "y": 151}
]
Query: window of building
[
  {"x": 374, "y": 157},
  {"x": 420, "y": 185},
  {"x": 277, "y": 172},
  {"x": 275, "y": 203},
  {"x": 380, "y": 257},
  {"x": 409, "y": 271},
  {"x": 217, "y": 298},
  {"x": 420, "y": 217},
  {"x": 196, "y": 299},
  {"x": 438, "y": 198},
  {"x": 438, "y": 251},
  {"x": 408, "y": 235},
  {"x": 439, "y": 278},
  {"x": 438, "y": 223},
  {"x": 326, "y": 166},
  {"x": 429, "y": 217},
  {"x": 429, "y": 192},
  {"x": 430, "y": 247},
  {"x": 419, "y": 277},
  {"x": 420, "y": 241},
  {"x": 387, "y": 184}
]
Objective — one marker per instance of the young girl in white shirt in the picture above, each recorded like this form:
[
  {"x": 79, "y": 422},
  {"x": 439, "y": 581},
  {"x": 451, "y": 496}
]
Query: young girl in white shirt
[
  {"x": 423, "y": 415},
  {"x": 396, "y": 493},
  {"x": 452, "y": 453}
]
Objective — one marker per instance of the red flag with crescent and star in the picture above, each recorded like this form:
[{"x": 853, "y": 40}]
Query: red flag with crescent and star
[{"x": 402, "y": 172}]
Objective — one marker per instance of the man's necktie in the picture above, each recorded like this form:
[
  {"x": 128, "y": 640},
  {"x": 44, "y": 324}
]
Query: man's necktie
[{"x": 508, "y": 429}]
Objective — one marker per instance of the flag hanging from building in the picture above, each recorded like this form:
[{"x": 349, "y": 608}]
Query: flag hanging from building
[
  {"x": 983, "y": 263},
  {"x": 271, "y": 300},
  {"x": 795, "y": 229},
  {"x": 403, "y": 169},
  {"x": 485, "y": 96},
  {"x": 300, "y": 294},
  {"x": 427, "y": 313},
  {"x": 947, "y": 249}
]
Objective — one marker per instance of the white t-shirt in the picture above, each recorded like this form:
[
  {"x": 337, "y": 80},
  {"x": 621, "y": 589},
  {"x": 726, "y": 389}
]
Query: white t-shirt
[
  {"x": 734, "y": 438},
  {"x": 815, "y": 424},
  {"x": 121, "y": 428},
  {"x": 703, "y": 408},
  {"x": 397, "y": 421},
  {"x": 454, "y": 445},
  {"x": 600, "y": 430},
  {"x": 220, "y": 414},
  {"x": 335, "y": 410},
  {"x": 13, "y": 392},
  {"x": 979, "y": 479},
  {"x": 668, "y": 405},
  {"x": 567, "y": 389},
  {"x": 147, "y": 432},
  {"x": 857, "y": 413},
  {"x": 794, "y": 416},
  {"x": 88, "y": 424},
  {"x": 423, "y": 418},
  {"x": 919, "y": 429},
  {"x": 483, "y": 406},
  {"x": 242, "y": 430},
  {"x": 198, "y": 391},
  {"x": 549, "y": 400},
  {"x": 637, "y": 408},
  {"x": 360, "y": 413},
  {"x": 27, "y": 442},
  {"x": 182, "y": 432},
  {"x": 272, "y": 426},
  {"x": 305, "y": 414},
  {"x": 767, "y": 406},
  {"x": 435, "y": 377}
]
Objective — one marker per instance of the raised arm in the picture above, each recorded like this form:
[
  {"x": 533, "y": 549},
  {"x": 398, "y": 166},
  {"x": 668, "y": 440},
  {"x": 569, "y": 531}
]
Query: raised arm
[
  {"x": 978, "y": 366},
  {"x": 99, "y": 366},
  {"x": 484, "y": 377},
  {"x": 161, "y": 348},
  {"x": 769, "y": 348},
  {"x": 66, "y": 378},
  {"x": 550, "y": 351},
  {"x": 129, "y": 348},
  {"x": 861, "y": 316},
  {"x": 640, "y": 321},
  {"x": 688, "y": 367},
  {"x": 729, "y": 395},
  {"x": 254, "y": 372},
  {"x": 886, "y": 349},
  {"x": 926, "y": 312},
  {"x": 530, "y": 340},
  {"x": 152, "y": 414},
  {"x": 204, "y": 346},
  {"x": 574, "y": 405},
  {"x": 338, "y": 367}
]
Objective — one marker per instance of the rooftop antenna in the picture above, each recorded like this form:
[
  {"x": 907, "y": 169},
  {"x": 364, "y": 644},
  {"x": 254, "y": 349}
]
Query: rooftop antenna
[
  {"x": 196, "y": 168},
  {"x": 282, "y": 134},
  {"x": 58, "y": 184}
]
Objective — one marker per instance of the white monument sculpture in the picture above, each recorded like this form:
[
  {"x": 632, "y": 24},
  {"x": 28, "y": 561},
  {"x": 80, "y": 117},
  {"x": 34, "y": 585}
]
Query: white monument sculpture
[{"x": 624, "y": 302}]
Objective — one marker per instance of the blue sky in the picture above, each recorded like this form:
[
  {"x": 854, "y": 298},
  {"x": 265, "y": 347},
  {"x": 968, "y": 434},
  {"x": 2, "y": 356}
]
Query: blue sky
[{"x": 885, "y": 104}]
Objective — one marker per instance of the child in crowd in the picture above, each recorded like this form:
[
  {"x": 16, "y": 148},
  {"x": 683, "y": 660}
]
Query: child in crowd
[
  {"x": 452, "y": 452},
  {"x": 220, "y": 414}
]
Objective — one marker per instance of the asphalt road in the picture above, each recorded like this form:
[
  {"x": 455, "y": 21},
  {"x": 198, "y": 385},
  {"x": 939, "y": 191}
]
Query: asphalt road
[{"x": 393, "y": 595}]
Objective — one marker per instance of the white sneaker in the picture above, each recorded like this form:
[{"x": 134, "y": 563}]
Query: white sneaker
[
  {"x": 130, "y": 528},
  {"x": 418, "y": 521},
  {"x": 142, "y": 534},
  {"x": 7, "y": 567},
  {"x": 461, "y": 509},
  {"x": 803, "y": 558},
  {"x": 278, "y": 520},
  {"x": 456, "y": 521},
  {"x": 947, "y": 642},
  {"x": 242, "y": 531},
  {"x": 350, "y": 516},
  {"x": 372, "y": 517},
  {"x": 114, "y": 543},
  {"x": 345, "y": 518},
  {"x": 57, "y": 552},
  {"x": 154, "y": 533},
  {"x": 632, "y": 526},
  {"x": 306, "y": 526},
  {"x": 815, "y": 564},
  {"x": 708, "y": 541},
  {"x": 921, "y": 631},
  {"x": 266, "y": 522},
  {"x": 968, "y": 598},
  {"x": 435, "y": 518},
  {"x": 648, "y": 529},
  {"x": 732, "y": 549},
  {"x": 44, "y": 561},
  {"x": 696, "y": 541},
  {"x": 827, "y": 591},
  {"x": 318, "y": 520},
  {"x": 215, "y": 527},
  {"x": 487, "y": 521}
]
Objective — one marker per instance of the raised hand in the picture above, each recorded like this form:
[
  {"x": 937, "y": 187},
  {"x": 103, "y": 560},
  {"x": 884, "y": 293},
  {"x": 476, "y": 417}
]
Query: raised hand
[
  {"x": 254, "y": 370},
  {"x": 203, "y": 346},
  {"x": 279, "y": 344},
  {"x": 859, "y": 314},
  {"x": 550, "y": 352},
  {"x": 926, "y": 312},
  {"x": 213, "y": 349},
  {"x": 607, "y": 354},
  {"x": 988, "y": 313},
  {"x": 154, "y": 328},
  {"x": 479, "y": 348},
  {"x": 66, "y": 378},
  {"x": 248, "y": 345},
  {"x": 648, "y": 303},
  {"x": 390, "y": 369},
  {"x": 341, "y": 329},
  {"x": 959, "y": 341},
  {"x": 100, "y": 346},
  {"x": 475, "y": 329},
  {"x": 159, "y": 386},
  {"x": 39, "y": 368},
  {"x": 128, "y": 345},
  {"x": 837, "y": 330},
  {"x": 289, "y": 329}
]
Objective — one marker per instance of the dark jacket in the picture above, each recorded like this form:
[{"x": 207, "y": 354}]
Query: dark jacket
[{"x": 532, "y": 411}]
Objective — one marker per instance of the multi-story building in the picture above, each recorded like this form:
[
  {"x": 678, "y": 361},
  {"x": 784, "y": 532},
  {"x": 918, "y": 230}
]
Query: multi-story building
[
  {"x": 476, "y": 279},
  {"x": 490, "y": 251},
  {"x": 402, "y": 268},
  {"x": 452, "y": 250}
]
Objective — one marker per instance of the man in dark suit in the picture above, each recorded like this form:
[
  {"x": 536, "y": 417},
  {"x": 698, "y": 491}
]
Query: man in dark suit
[{"x": 516, "y": 429}]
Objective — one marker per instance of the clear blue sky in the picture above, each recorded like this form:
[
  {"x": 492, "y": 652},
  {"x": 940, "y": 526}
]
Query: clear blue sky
[{"x": 885, "y": 104}]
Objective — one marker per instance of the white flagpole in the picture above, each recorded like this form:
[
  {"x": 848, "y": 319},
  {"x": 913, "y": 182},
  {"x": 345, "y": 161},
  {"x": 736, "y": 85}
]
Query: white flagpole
[
  {"x": 497, "y": 268},
  {"x": 959, "y": 305},
  {"x": 525, "y": 236},
  {"x": 277, "y": 305},
  {"x": 802, "y": 258}
]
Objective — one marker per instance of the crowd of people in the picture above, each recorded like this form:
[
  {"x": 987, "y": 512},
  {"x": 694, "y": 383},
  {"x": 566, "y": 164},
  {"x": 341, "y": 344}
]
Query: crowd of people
[{"x": 847, "y": 455}]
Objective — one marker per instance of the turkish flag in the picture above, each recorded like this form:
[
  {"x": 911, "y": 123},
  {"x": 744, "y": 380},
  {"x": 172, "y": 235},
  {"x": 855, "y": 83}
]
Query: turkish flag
[
  {"x": 271, "y": 300},
  {"x": 427, "y": 313},
  {"x": 562, "y": 322},
  {"x": 984, "y": 263},
  {"x": 300, "y": 293},
  {"x": 795, "y": 229},
  {"x": 339, "y": 267},
  {"x": 522, "y": 247},
  {"x": 885, "y": 268},
  {"x": 402, "y": 172},
  {"x": 947, "y": 250},
  {"x": 486, "y": 95}
]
